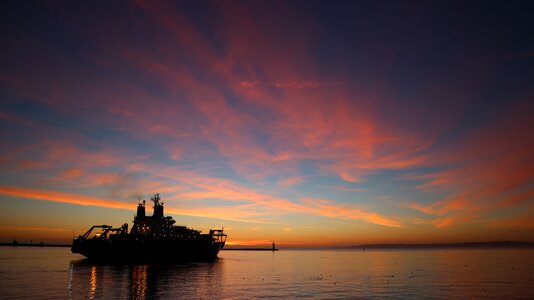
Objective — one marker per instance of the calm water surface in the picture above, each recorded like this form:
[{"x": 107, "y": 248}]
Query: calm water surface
[{"x": 55, "y": 273}]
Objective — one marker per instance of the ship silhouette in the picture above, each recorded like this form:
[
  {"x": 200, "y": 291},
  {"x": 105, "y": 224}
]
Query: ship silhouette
[{"x": 152, "y": 238}]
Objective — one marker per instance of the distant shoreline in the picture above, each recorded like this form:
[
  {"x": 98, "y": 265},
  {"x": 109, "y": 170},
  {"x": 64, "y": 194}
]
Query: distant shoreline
[{"x": 492, "y": 244}]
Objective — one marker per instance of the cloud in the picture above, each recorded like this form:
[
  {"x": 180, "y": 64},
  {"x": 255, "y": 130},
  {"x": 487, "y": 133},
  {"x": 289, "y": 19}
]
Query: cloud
[
  {"x": 327, "y": 208},
  {"x": 53, "y": 196},
  {"x": 19, "y": 228},
  {"x": 289, "y": 181},
  {"x": 348, "y": 189},
  {"x": 486, "y": 173},
  {"x": 232, "y": 242},
  {"x": 292, "y": 84},
  {"x": 279, "y": 115},
  {"x": 262, "y": 131},
  {"x": 234, "y": 120},
  {"x": 72, "y": 173}
]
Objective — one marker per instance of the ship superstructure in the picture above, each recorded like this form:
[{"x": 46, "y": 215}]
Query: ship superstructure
[{"x": 151, "y": 238}]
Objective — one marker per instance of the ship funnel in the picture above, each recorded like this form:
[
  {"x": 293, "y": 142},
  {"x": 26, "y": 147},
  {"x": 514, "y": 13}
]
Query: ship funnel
[
  {"x": 158, "y": 207},
  {"x": 141, "y": 210}
]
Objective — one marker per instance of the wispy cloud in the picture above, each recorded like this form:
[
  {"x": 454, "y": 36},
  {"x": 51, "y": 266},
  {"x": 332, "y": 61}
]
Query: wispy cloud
[
  {"x": 19, "y": 228},
  {"x": 292, "y": 84},
  {"x": 490, "y": 173},
  {"x": 289, "y": 181},
  {"x": 348, "y": 188},
  {"x": 231, "y": 119}
]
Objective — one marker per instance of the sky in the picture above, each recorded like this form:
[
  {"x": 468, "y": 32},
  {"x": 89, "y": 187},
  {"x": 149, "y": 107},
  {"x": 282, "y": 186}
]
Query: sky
[{"x": 307, "y": 123}]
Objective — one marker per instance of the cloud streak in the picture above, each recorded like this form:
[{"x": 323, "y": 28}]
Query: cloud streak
[{"x": 259, "y": 118}]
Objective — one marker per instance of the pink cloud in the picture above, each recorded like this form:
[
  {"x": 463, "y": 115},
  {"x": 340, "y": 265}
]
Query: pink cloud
[
  {"x": 72, "y": 173},
  {"x": 487, "y": 172},
  {"x": 340, "y": 130},
  {"x": 292, "y": 84},
  {"x": 289, "y": 181}
]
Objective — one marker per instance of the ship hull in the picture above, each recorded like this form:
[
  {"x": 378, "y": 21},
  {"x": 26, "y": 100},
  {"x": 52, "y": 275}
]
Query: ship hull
[{"x": 143, "y": 250}]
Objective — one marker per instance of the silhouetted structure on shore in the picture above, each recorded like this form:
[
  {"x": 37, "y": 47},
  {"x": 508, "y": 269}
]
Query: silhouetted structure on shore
[{"x": 152, "y": 238}]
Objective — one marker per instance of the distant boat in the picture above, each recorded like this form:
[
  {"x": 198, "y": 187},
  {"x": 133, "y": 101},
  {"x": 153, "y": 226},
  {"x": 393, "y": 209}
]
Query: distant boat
[{"x": 152, "y": 238}]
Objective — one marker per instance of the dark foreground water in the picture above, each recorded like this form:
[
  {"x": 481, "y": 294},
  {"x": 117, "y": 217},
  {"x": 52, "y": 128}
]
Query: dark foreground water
[{"x": 55, "y": 273}]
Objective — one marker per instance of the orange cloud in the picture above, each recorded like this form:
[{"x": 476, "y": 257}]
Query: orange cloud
[
  {"x": 289, "y": 181},
  {"x": 317, "y": 207},
  {"x": 450, "y": 221},
  {"x": 225, "y": 189},
  {"x": 329, "y": 209},
  {"x": 43, "y": 195},
  {"x": 232, "y": 242},
  {"x": 521, "y": 221},
  {"x": 19, "y": 228},
  {"x": 72, "y": 173}
]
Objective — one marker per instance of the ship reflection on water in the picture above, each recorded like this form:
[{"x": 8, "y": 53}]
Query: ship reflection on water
[
  {"x": 94, "y": 281},
  {"x": 138, "y": 282}
]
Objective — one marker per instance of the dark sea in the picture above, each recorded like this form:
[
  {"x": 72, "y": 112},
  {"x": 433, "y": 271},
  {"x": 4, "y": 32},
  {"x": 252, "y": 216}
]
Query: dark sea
[{"x": 56, "y": 273}]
